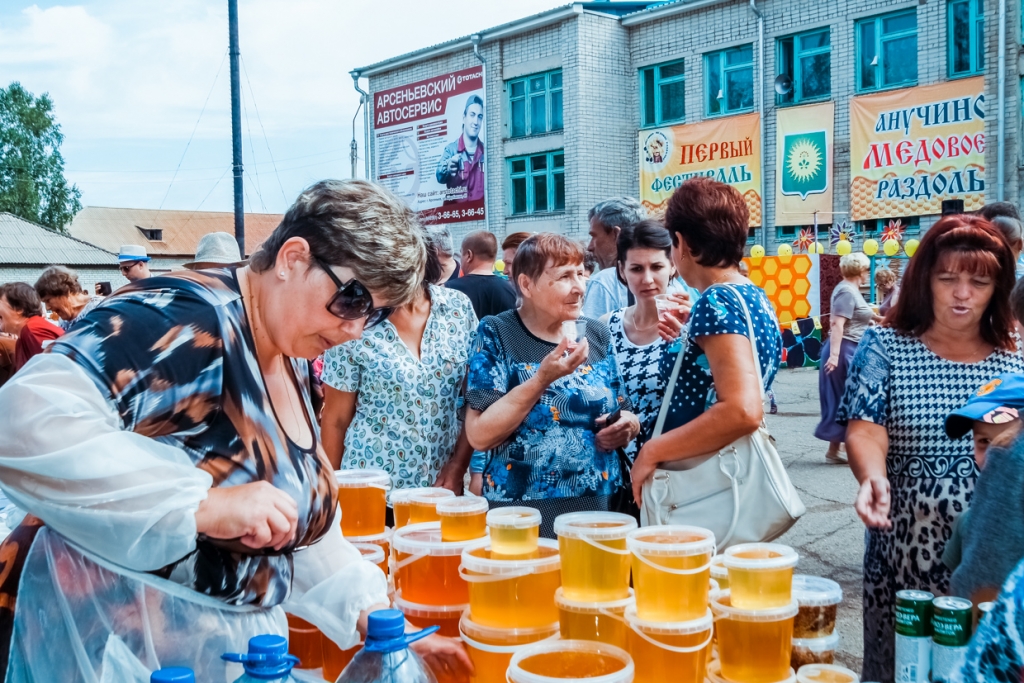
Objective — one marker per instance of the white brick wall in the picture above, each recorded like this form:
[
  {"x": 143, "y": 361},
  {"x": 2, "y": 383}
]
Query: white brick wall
[{"x": 88, "y": 276}]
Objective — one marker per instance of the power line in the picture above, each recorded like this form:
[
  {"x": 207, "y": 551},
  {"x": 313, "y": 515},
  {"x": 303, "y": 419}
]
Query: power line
[
  {"x": 207, "y": 196},
  {"x": 259, "y": 188},
  {"x": 260, "y": 120}
]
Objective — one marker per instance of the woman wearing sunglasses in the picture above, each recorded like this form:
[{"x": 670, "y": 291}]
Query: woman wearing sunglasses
[{"x": 168, "y": 457}]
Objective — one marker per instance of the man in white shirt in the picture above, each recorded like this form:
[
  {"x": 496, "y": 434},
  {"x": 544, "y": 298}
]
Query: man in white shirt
[{"x": 605, "y": 293}]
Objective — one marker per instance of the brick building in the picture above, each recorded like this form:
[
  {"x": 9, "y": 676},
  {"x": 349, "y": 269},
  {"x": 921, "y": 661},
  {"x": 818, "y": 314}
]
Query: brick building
[{"x": 603, "y": 73}]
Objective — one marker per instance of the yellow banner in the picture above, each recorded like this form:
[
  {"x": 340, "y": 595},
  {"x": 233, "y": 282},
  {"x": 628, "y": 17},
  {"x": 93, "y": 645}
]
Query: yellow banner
[
  {"x": 803, "y": 164},
  {"x": 727, "y": 149},
  {"x": 910, "y": 149}
]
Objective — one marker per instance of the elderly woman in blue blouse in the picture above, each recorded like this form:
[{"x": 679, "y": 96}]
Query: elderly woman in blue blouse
[{"x": 538, "y": 402}]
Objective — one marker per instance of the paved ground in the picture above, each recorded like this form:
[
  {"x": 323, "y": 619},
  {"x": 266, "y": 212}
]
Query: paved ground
[{"x": 830, "y": 537}]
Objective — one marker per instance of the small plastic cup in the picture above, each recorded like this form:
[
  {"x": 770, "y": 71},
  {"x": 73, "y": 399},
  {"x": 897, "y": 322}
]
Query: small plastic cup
[
  {"x": 760, "y": 575},
  {"x": 514, "y": 530},
  {"x": 575, "y": 331},
  {"x": 664, "y": 304},
  {"x": 373, "y": 553},
  {"x": 401, "y": 503},
  {"x": 362, "y": 496},
  {"x": 571, "y": 660},
  {"x": 426, "y": 569},
  {"x": 826, "y": 673},
  {"x": 814, "y": 651},
  {"x": 604, "y": 622},
  {"x": 512, "y": 593},
  {"x": 491, "y": 649},
  {"x": 754, "y": 646},
  {"x": 447, "y": 617},
  {"x": 423, "y": 504},
  {"x": 463, "y": 518},
  {"x": 819, "y": 600},
  {"x": 595, "y": 560},
  {"x": 719, "y": 573},
  {"x": 382, "y": 540},
  {"x": 671, "y": 571},
  {"x": 670, "y": 651}
]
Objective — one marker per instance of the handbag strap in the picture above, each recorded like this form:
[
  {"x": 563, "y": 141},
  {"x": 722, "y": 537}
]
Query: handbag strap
[
  {"x": 666, "y": 400},
  {"x": 750, "y": 333}
]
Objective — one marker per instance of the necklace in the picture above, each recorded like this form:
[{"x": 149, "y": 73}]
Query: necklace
[{"x": 632, "y": 321}]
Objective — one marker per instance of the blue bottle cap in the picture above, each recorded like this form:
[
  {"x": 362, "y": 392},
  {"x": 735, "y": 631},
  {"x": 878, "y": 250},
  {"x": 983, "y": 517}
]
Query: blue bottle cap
[
  {"x": 173, "y": 674},
  {"x": 385, "y": 632},
  {"x": 270, "y": 645},
  {"x": 267, "y": 659}
]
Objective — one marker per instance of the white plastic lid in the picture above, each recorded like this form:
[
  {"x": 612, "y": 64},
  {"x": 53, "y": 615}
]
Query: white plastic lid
[
  {"x": 425, "y": 539},
  {"x": 461, "y": 505},
  {"x": 498, "y": 638},
  {"x": 675, "y": 540},
  {"x": 784, "y": 556},
  {"x": 670, "y": 628},
  {"x": 593, "y": 607},
  {"x": 812, "y": 673},
  {"x": 370, "y": 552},
  {"x": 623, "y": 675},
  {"x": 429, "y": 496},
  {"x": 597, "y": 526},
  {"x": 352, "y": 479},
  {"x": 718, "y": 570},
  {"x": 402, "y": 495},
  {"x": 823, "y": 644},
  {"x": 372, "y": 538},
  {"x": 816, "y": 591},
  {"x": 412, "y": 609},
  {"x": 714, "y": 672},
  {"x": 722, "y": 606},
  {"x": 513, "y": 517},
  {"x": 478, "y": 558}
]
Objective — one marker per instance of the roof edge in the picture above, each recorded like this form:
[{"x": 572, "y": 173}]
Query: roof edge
[
  {"x": 61, "y": 234},
  {"x": 667, "y": 10}
]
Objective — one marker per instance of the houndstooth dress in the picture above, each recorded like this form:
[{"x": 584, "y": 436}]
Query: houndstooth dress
[{"x": 897, "y": 382}]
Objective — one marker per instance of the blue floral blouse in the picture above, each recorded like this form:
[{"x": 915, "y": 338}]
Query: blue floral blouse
[
  {"x": 552, "y": 454},
  {"x": 996, "y": 652},
  {"x": 407, "y": 410}
]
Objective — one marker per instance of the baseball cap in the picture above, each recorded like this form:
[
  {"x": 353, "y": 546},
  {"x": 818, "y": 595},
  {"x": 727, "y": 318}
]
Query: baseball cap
[{"x": 997, "y": 402}]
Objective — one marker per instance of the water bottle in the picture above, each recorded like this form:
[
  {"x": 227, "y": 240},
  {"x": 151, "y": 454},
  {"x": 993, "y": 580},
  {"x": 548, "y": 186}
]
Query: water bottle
[
  {"x": 267, "y": 660},
  {"x": 386, "y": 657},
  {"x": 174, "y": 674}
]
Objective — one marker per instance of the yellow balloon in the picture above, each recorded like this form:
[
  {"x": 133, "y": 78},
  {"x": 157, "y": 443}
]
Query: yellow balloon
[
  {"x": 844, "y": 248},
  {"x": 499, "y": 266},
  {"x": 785, "y": 250},
  {"x": 891, "y": 247},
  {"x": 911, "y": 247},
  {"x": 870, "y": 247},
  {"x": 816, "y": 248},
  {"x": 757, "y": 251}
]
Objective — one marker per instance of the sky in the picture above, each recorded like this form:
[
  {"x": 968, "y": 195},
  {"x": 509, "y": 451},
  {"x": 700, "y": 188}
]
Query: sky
[{"x": 142, "y": 93}]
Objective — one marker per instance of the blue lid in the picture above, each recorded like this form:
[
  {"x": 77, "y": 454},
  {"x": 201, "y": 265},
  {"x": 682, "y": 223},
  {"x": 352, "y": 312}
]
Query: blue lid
[
  {"x": 173, "y": 674},
  {"x": 273, "y": 646},
  {"x": 385, "y": 631},
  {"x": 267, "y": 659}
]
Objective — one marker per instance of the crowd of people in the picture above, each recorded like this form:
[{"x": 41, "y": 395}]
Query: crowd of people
[{"x": 355, "y": 338}]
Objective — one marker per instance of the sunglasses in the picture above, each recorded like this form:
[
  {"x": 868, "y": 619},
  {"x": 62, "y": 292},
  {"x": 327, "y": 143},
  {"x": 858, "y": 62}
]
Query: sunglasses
[
  {"x": 126, "y": 267},
  {"x": 353, "y": 301}
]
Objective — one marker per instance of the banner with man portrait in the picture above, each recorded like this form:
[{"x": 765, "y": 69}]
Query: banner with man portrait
[
  {"x": 428, "y": 145},
  {"x": 803, "y": 164}
]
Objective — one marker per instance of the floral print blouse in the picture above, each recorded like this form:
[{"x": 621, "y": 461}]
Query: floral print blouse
[{"x": 407, "y": 410}]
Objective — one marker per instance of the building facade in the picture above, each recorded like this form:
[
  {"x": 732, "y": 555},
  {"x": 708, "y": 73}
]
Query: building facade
[
  {"x": 27, "y": 249},
  {"x": 573, "y": 93}
]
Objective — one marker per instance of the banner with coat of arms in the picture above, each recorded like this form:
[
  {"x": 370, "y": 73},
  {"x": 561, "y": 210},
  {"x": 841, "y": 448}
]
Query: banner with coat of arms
[{"x": 803, "y": 164}]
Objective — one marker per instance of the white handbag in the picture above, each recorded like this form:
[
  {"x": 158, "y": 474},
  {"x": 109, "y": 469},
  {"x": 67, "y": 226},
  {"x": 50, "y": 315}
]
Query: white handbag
[{"x": 741, "y": 493}]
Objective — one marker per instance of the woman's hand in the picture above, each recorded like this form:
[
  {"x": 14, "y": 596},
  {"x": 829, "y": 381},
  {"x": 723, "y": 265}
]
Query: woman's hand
[
  {"x": 670, "y": 325},
  {"x": 557, "y": 365},
  {"x": 643, "y": 468},
  {"x": 873, "y": 502},
  {"x": 257, "y": 514},
  {"x": 451, "y": 477},
  {"x": 619, "y": 433},
  {"x": 831, "y": 364},
  {"x": 445, "y": 656}
]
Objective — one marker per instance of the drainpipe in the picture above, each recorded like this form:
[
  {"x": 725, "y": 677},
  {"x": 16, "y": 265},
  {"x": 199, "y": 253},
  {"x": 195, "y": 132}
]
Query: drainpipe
[
  {"x": 476, "y": 38},
  {"x": 1001, "y": 118},
  {"x": 354, "y": 147},
  {"x": 760, "y": 109},
  {"x": 364, "y": 98}
]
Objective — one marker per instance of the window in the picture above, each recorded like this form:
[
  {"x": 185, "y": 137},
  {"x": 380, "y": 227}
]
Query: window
[
  {"x": 152, "y": 234},
  {"x": 807, "y": 59},
  {"x": 966, "y": 37},
  {"x": 537, "y": 183},
  {"x": 662, "y": 93},
  {"x": 729, "y": 80},
  {"x": 875, "y": 227},
  {"x": 784, "y": 233},
  {"x": 887, "y": 51},
  {"x": 535, "y": 104}
]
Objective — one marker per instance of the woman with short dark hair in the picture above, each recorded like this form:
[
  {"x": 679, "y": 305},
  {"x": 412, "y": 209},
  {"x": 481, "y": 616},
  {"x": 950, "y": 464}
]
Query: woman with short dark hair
[
  {"x": 949, "y": 333},
  {"x": 21, "y": 315},
  {"x": 60, "y": 290}
]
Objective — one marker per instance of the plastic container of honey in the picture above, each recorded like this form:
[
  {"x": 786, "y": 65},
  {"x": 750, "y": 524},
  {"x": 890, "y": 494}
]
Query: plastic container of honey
[
  {"x": 604, "y": 622},
  {"x": 512, "y": 592},
  {"x": 819, "y": 600},
  {"x": 373, "y": 553},
  {"x": 719, "y": 573},
  {"x": 491, "y": 649},
  {"x": 760, "y": 575},
  {"x": 715, "y": 674},
  {"x": 571, "y": 660},
  {"x": 814, "y": 651},
  {"x": 401, "y": 503},
  {"x": 336, "y": 659},
  {"x": 670, "y": 651},
  {"x": 304, "y": 642},
  {"x": 514, "y": 530},
  {"x": 671, "y": 571},
  {"x": 426, "y": 569},
  {"x": 754, "y": 646},
  {"x": 383, "y": 541},
  {"x": 446, "y": 617},
  {"x": 826, "y": 673},
  {"x": 595, "y": 560},
  {"x": 463, "y": 518},
  {"x": 362, "y": 495},
  {"x": 423, "y": 504}
]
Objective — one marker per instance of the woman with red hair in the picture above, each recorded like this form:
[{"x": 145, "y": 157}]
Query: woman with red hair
[{"x": 950, "y": 331}]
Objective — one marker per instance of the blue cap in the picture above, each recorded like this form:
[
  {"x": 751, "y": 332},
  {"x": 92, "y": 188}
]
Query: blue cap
[
  {"x": 174, "y": 674},
  {"x": 385, "y": 631},
  {"x": 267, "y": 658},
  {"x": 999, "y": 401}
]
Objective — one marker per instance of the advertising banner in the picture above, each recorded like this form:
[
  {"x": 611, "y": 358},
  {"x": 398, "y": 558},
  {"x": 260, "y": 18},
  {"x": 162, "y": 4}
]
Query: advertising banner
[
  {"x": 803, "y": 164},
  {"x": 726, "y": 149},
  {"x": 910, "y": 149},
  {"x": 429, "y": 145}
]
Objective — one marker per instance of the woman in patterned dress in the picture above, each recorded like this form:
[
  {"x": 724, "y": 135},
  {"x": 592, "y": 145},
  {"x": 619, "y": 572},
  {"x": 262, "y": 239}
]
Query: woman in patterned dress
[
  {"x": 167, "y": 454},
  {"x": 950, "y": 332}
]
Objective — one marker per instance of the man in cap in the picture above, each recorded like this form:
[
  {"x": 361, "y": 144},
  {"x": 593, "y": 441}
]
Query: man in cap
[
  {"x": 216, "y": 250},
  {"x": 133, "y": 262}
]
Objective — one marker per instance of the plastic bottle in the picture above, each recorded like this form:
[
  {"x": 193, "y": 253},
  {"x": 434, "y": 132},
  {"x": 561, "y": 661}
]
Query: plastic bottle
[
  {"x": 386, "y": 657},
  {"x": 174, "y": 674},
  {"x": 267, "y": 660}
]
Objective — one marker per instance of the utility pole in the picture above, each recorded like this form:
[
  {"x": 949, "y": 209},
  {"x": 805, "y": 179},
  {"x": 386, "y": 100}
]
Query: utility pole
[{"x": 236, "y": 125}]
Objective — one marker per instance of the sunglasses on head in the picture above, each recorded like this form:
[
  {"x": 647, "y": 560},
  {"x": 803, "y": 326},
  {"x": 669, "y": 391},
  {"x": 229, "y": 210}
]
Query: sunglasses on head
[{"x": 353, "y": 301}]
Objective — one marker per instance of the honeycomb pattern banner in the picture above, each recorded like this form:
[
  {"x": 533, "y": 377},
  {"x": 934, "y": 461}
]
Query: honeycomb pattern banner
[{"x": 791, "y": 283}]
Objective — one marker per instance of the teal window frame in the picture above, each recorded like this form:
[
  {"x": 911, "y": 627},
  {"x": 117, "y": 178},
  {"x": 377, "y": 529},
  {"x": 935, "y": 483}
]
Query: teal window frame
[
  {"x": 976, "y": 38},
  {"x": 872, "y": 229},
  {"x": 724, "y": 69},
  {"x": 527, "y": 92},
  {"x": 795, "y": 69},
  {"x": 652, "y": 85},
  {"x": 547, "y": 168},
  {"x": 878, "y": 50}
]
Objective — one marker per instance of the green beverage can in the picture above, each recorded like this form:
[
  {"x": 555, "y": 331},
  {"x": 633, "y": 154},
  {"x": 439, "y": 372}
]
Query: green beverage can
[
  {"x": 952, "y": 619},
  {"x": 913, "y": 636}
]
